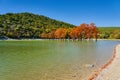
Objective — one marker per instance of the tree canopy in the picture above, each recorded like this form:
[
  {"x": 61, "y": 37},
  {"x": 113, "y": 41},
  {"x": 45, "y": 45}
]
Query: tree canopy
[
  {"x": 28, "y": 25},
  {"x": 32, "y": 26}
]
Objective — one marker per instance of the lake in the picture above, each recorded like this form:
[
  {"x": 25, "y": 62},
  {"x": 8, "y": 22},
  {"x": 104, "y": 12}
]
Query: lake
[{"x": 52, "y": 59}]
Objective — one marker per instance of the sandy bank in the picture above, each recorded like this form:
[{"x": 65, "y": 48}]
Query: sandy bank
[{"x": 111, "y": 70}]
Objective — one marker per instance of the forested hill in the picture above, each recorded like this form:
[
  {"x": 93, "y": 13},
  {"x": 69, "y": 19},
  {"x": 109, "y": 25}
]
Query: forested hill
[
  {"x": 29, "y": 25},
  {"x": 30, "y": 20}
]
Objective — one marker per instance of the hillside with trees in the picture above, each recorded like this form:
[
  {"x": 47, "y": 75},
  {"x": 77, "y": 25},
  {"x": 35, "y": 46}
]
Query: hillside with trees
[
  {"x": 28, "y": 25},
  {"x": 32, "y": 26}
]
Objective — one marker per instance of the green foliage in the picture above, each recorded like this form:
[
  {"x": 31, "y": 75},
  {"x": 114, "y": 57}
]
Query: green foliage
[
  {"x": 109, "y": 32},
  {"x": 28, "y": 25}
]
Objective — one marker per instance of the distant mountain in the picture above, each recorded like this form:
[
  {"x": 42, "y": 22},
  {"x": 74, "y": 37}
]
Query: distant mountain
[{"x": 18, "y": 25}]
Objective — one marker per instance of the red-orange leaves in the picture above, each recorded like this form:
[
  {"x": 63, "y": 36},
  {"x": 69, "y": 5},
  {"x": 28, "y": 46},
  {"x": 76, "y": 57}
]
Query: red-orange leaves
[
  {"x": 60, "y": 33},
  {"x": 44, "y": 35},
  {"x": 94, "y": 30},
  {"x": 84, "y": 31},
  {"x": 74, "y": 34}
]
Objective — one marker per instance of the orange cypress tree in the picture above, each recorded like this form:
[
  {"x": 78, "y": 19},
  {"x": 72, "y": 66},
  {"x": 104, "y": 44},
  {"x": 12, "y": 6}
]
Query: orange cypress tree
[
  {"x": 73, "y": 33},
  {"x": 51, "y": 35},
  {"x": 44, "y": 35},
  {"x": 60, "y": 33},
  {"x": 94, "y": 30}
]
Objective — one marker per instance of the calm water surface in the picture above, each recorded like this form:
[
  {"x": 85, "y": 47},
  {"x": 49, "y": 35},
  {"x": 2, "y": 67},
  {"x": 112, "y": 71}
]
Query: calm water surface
[{"x": 52, "y": 60}]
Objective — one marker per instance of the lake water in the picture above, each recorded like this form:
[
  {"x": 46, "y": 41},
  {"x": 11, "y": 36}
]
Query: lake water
[{"x": 52, "y": 59}]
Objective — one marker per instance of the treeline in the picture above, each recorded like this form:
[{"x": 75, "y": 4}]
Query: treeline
[
  {"x": 109, "y": 32},
  {"x": 32, "y": 26},
  {"x": 84, "y": 31},
  {"x": 28, "y": 25}
]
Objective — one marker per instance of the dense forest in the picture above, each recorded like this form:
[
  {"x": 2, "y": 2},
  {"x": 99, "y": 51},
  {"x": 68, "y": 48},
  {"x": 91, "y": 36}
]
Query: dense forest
[
  {"x": 28, "y": 25},
  {"x": 32, "y": 26}
]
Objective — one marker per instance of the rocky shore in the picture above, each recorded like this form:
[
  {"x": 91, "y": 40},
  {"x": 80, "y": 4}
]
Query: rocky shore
[{"x": 111, "y": 70}]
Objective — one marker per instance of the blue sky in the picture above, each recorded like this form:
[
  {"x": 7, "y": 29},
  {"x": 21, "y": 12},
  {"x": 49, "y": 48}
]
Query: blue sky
[{"x": 101, "y": 12}]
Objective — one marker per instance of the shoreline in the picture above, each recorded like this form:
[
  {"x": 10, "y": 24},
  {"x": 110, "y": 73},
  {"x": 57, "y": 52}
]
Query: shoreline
[
  {"x": 104, "y": 72},
  {"x": 54, "y": 39}
]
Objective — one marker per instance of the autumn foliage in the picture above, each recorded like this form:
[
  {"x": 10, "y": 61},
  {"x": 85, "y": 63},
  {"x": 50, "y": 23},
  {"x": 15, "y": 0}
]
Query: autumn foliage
[
  {"x": 60, "y": 33},
  {"x": 84, "y": 31}
]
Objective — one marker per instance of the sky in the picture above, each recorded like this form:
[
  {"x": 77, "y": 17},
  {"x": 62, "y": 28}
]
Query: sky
[{"x": 101, "y": 12}]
